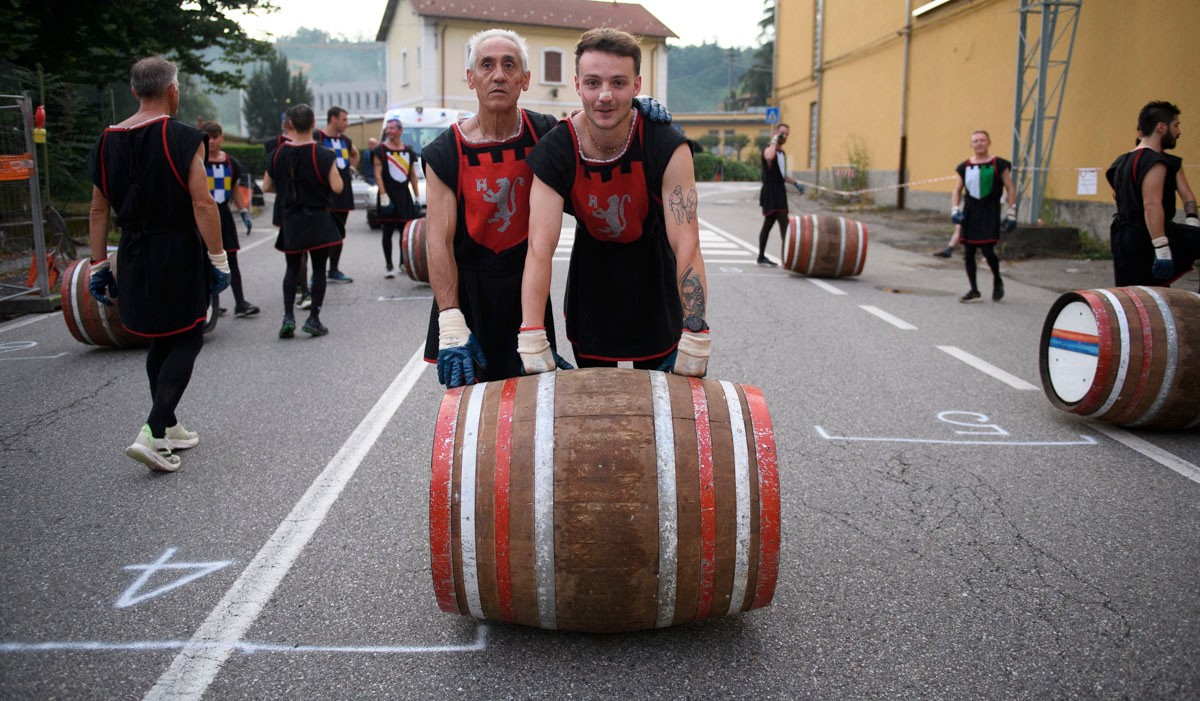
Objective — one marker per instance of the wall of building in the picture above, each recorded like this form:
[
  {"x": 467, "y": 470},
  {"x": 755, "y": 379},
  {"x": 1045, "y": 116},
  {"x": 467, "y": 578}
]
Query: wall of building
[{"x": 694, "y": 125}]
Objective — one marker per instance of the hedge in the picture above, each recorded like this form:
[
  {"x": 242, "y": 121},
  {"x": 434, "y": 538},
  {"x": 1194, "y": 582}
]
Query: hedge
[
  {"x": 734, "y": 171},
  {"x": 252, "y": 156}
]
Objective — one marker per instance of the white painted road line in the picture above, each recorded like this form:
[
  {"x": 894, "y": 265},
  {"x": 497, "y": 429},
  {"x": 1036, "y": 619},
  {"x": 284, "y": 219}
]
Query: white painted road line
[
  {"x": 198, "y": 664},
  {"x": 1084, "y": 440},
  {"x": 987, "y": 368},
  {"x": 1151, "y": 451},
  {"x": 893, "y": 320},
  {"x": 826, "y": 286},
  {"x": 31, "y": 319}
]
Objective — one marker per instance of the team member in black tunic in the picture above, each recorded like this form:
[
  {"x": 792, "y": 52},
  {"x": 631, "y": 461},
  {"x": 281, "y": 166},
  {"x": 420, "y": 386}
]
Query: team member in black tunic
[
  {"x": 150, "y": 170},
  {"x": 1147, "y": 247},
  {"x": 277, "y": 219},
  {"x": 773, "y": 195},
  {"x": 477, "y": 184},
  {"x": 224, "y": 173},
  {"x": 636, "y": 290},
  {"x": 303, "y": 175},
  {"x": 983, "y": 176},
  {"x": 333, "y": 137},
  {"x": 395, "y": 170}
]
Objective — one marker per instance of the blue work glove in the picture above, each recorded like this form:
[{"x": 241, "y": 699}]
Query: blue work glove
[
  {"x": 218, "y": 264},
  {"x": 246, "y": 221},
  {"x": 536, "y": 354},
  {"x": 957, "y": 216},
  {"x": 799, "y": 187},
  {"x": 458, "y": 351},
  {"x": 1010, "y": 220},
  {"x": 652, "y": 109},
  {"x": 101, "y": 282},
  {"x": 1164, "y": 267}
]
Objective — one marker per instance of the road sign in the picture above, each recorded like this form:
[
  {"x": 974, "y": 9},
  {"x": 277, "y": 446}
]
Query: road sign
[{"x": 772, "y": 115}]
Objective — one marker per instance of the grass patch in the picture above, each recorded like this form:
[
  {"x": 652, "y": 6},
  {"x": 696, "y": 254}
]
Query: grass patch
[{"x": 1092, "y": 248}]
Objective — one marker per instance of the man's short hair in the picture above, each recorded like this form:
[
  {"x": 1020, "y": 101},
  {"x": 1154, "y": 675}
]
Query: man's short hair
[
  {"x": 334, "y": 112},
  {"x": 982, "y": 131},
  {"x": 301, "y": 116},
  {"x": 1155, "y": 113},
  {"x": 480, "y": 37},
  {"x": 150, "y": 77},
  {"x": 213, "y": 129},
  {"x": 610, "y": 41},
  {"x": 781, "y": 125}
]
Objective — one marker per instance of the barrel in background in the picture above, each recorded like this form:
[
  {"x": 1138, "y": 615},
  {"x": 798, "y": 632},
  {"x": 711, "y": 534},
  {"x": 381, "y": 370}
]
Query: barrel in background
[
  {"x": 416, "y": 250},
  {"x": 825, "y": 246},
  {"x": 1126, "y": 355},
  {"x": 557, "y": 500}
]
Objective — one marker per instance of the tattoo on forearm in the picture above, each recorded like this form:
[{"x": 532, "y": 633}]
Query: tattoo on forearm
[{"x": 691, "y": 291}]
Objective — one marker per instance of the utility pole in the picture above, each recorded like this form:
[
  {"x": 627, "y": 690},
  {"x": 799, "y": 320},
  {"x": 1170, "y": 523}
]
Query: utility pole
[{"x": 730, "y": 53}]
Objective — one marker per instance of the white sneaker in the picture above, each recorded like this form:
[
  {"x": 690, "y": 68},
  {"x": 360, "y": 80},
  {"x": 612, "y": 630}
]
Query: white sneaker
[
  {"x": 390, "y": 274},
  {"x": 154, "y": 453},
  {"x": 180, "y": 438}
]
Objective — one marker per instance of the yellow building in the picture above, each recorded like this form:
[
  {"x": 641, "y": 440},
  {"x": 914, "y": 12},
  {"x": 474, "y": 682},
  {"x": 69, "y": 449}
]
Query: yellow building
[
  {"x": 426, "y": 48},
  {"x": 724, "y": 125},
  {"x": 841, "y": 84}
]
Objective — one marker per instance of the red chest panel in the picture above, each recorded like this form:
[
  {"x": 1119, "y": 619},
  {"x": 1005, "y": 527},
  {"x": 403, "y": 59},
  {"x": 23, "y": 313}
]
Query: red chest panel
[
  {"x": 612, "y": 200},
  {"x": 494, "y": 186}
]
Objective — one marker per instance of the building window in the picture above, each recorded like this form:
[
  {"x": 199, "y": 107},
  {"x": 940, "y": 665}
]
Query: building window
[
  {"x": 552, "y": 66},
  {"x": 814, "y": 116},
  {"x": 404, "y": 68}
]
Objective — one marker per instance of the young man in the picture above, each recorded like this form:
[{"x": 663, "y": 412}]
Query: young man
[
  {"x": 1147, "y": 247},
  {"x": 333, "y": 137},
  {"x": 636, "y": 290},
  {"x": 224, "y": 173},
  {"x": 773, "y": 196},
  {"x": 150, "y": 170},
  {"x": 982, "y": 177}
]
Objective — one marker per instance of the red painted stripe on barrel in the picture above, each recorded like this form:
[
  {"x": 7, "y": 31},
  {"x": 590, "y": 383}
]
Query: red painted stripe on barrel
[
  {"x": 708, "y": 500},
  {"x": 440, "y": 500},
  {"x": 1094, "y": 398},
  {"x": 808, "y": 240},
  {"x": 768, "y": 496},
  {"x": 1143, "y": 379},
  {"x": 508, "y": 398}
]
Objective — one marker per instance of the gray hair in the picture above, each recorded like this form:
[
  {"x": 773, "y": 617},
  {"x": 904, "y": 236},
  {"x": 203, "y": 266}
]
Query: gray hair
[
  {"x": 480, "y": 37},
  {"x": 151, "y": 76}
]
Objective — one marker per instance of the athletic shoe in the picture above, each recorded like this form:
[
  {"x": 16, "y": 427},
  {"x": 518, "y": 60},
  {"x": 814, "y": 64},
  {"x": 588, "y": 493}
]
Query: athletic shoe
[
  {"x": 154, "y": 453},
  {"x": 998, "y": 291},
  {"x": 288, "y": 330},
  {"x": 390, "y": 274},
  {"x": 305, "y": 301},
  {"x": 222, "y": 311},
  {"x": 946, "y": 252},
  {"x": 971, "y": 297},
  {"x": 314, "y": 327},
  {"x": 245, "y": 309},
  {"x": 179, "y": 438},
  {"x": 339, "y": 276},
  {"x": 765, "y": 261}
]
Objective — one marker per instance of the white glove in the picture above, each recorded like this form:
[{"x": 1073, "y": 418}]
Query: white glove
[
  {"x": 693, "y": 353},
  {"x": 1192, "y": 220},
  {"x": 534, "y": 348},
  {"x": 1162, "y": 249},
  {"x": 452, "y": 329},
  {"x": 220, "y": 261},
  {"x": 384, "y": 200}
]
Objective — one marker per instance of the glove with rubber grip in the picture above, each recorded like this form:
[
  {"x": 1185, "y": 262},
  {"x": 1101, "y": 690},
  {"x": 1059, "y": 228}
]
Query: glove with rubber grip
[
  {"x": 536, "y": 354},
  {"x": 246, "y": 221},
  {"x": 956, "y": 215},
  {"x": 1163, "y": 265},
  {"x": 458, "y": 351},
  {"x": 691, "y": 356},
  {"x": 652, "y": 109},
  {"x": 219, "y": 267},
  {"x": 1010, "y": 220},
  {"x": 101, "y": 283}
]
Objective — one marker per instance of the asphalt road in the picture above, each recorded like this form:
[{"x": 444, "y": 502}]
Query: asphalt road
[{"x": 947, "y": 533}]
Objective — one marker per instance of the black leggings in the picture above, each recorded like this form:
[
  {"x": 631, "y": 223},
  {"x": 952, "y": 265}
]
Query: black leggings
[
  {"x": 335, "y": 252},
  {"x": 765, "y": 234},
  {"x": 235, "y": 281},
  {"x": 389, "y": 228},
  {"x": 169, "y": 366},
  {"x": 989, "y": 254},
  {"x": 293, "y": 277}
]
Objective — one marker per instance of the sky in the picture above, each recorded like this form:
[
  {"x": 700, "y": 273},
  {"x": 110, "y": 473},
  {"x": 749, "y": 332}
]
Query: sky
[{"x": 695, "y": 21}]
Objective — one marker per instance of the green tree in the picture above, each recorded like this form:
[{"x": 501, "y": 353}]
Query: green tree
[
  {"x": 94, "y": 43},
  {"x": 738, "y": 142},
  {"x": 710, "y": 142},
  {"x": 758, "y": 82},
  {"x": 272, "y": 89}
]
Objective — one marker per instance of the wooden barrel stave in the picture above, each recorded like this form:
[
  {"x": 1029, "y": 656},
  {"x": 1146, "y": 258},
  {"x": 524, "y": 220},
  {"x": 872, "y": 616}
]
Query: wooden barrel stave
[
  {"x": 601, "y": 572},
  {"x": 416, "y": 250},
  {"x": 1146, "y": 345},
  {"x": 88, "y": 320},
  {"x": 825, "y": 246}
]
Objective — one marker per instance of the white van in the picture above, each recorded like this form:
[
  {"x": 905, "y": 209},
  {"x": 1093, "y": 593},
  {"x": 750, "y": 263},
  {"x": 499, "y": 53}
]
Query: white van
[{"x": 421, "y": 127}]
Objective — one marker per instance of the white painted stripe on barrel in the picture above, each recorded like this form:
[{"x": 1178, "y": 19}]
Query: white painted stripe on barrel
[
  {"x": 668, "y": 507},
  {"x": 543, "y": 502},
  {"x": 1168, "y": 380},
  {"x": 76, "y": 305},
  {"x": 837, "y": 272},
  {"x": 789, "y": 242},
  {"x": 862, "y": 249},
  {"x": 466, "y": 504},
  {"x": 1123, "y": 366},
  {"x": 816, "y": 238},
  {"x": 741, "y": 490}
]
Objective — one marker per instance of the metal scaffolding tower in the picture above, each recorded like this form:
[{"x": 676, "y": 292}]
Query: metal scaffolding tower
[{"x": 1044, "y": 55}]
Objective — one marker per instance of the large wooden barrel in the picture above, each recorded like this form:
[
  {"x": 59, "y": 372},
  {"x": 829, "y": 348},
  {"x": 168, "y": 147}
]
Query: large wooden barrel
[
  {"x": 1125, "y": 355},
  {"x": 89, "y": 321},
  {"x": 604, "y": 500},
  {"x": 416, "y": 250},
  {"x": 825, "y": 246}
]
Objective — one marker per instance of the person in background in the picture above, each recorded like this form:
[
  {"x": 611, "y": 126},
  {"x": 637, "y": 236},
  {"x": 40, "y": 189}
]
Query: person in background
[
  {"x": 773, "y": 195},
  {"x": 333, "y": 137},
  {"x": 224, "y": 173},
  {"x": 395, "y": 169},
  {"x": 975, "y": 203}
]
